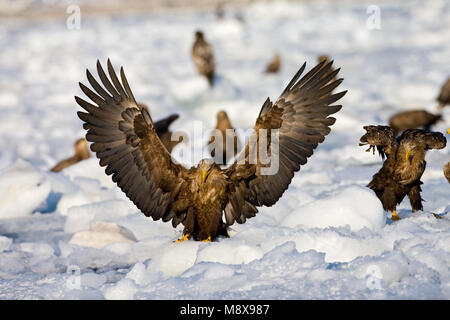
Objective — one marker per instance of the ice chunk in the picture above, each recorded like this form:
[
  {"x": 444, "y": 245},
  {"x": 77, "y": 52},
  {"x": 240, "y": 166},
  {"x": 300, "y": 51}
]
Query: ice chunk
[
  {"x": 101, "y": 234},
  {"x": 355, "y": 206},
  {"x": 5, "y": 243},
  {"x": 22, "y": 189}
]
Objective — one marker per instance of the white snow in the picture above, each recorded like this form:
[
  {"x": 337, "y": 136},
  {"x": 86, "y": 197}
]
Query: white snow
[
  {"x": 101, "y": 234},
  {"x": 22, "y": 189},
  {"x": 354, "y": 206},
  {"x": 75, "y": 235}
]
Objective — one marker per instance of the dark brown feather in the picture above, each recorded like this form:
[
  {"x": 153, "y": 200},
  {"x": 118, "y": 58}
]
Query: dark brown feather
[
  {"x": 125, "y": 140},
  {"x": 301, "y": 117},
  {"x": 401, "y": 171}
]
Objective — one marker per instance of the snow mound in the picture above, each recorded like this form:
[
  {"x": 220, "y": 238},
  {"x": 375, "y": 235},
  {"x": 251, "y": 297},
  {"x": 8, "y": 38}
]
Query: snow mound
[
  {"x": 101, "y": 234},
  {"x": 26, "y": 185},
  {"x": 354, "y": 206},
  {"x": 80, "y": 217},
  {"x": 5, "y": 243}
]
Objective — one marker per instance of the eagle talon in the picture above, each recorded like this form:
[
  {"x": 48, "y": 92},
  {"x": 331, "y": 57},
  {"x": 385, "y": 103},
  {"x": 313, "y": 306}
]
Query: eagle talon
[
  {"x": 207, "y": 240},
  {"x": 395, "y": 217},
  {"x": 185, "y": 237}
]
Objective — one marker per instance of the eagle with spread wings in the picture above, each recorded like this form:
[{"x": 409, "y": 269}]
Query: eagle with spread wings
[
  {"x": 404, "y": 165},
  {"x": 205, "y": 199}
]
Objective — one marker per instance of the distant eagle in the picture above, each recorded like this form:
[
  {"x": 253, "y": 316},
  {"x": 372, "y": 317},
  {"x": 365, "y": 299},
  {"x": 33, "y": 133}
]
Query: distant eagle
[
  {"x": 203, "y": 57},
  {"x": 413, "y": 119},
  {"x": 444, "y": 96},
  {"x": 227, "y": 132},
  {"x": 125, "y": 141},
  {"x": 404, "y": 165},
  {"x": 274, "y": 65},
  {"x": 81, "y": 153}
]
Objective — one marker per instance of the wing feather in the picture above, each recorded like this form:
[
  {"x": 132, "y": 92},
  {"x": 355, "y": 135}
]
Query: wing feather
[
  {"x": 300, "y": 115},
  {"x": 124, "y": 138}
]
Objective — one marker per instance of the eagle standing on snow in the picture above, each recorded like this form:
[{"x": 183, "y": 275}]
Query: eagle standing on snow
[
  {"x": 226, "y": 130},
  {"x": 125, "y": 141},
  {"x": 444, "y": 96},
  {"x": 203, "y": 57},
  {"x": 404, "y": 165},
  {"x": 413, "y": 119},
  {"x": 81, "y": 153},
  {"x": 274, "y": 65}
]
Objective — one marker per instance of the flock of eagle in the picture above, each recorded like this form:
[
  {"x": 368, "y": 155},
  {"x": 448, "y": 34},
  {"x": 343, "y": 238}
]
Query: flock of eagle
[{"x": 208, "y": 198}]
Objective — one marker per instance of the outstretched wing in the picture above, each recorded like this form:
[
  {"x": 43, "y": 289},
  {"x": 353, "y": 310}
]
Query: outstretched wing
[
  {"x": 381, "y": 137},
  {"x": 299, "y": 120},
  {"x": 432, "y": 140},
  {"x": 125, "y": 141}
]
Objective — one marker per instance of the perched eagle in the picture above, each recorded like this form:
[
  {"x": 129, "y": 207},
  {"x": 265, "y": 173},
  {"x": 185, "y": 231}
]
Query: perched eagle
[
  {"x": 444, "y": 96},
  {"x": 413, "y": 119},
  {"x": 274, "y": 65},
  {"x": 227, "y": 132},
  {"x": 81, "y": 153},
  {"x": 162, "y": 129},
  {"x": 203, "y": 57},
  {"x": 404, "y": 165},
  {"x": 125, "y": 141}
]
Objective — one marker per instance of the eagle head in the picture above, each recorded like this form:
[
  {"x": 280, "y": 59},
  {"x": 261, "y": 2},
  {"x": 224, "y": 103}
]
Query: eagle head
[{"x": 205, "y": 167}]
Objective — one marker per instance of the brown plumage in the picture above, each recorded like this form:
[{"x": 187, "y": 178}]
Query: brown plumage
[
  {"x": 81, "y": 153},
  {"x": 225, "y": 129},
  {"x": 162, "y": 129},
  {"x": 325, "y": 59},
  {"x": 203, "y": 57},
  {"x": 404, "y": 165},
  {"x": 125, "y": 141},
  {"x": 447, "y": 171},
  {"x": 413, "y": 119},
  {"x": 444, "y": 96},
  {"x": 274, "y": 65}
]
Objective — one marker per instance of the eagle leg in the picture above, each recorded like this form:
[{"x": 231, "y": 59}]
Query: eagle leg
[
  {"x": 184, "y": 238},
  {"x": 207, "y": 240},
  {"x": 395, "y": 217}
]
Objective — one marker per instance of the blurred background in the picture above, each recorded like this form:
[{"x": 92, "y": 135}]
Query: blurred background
[{"x": 394, "y": 55}]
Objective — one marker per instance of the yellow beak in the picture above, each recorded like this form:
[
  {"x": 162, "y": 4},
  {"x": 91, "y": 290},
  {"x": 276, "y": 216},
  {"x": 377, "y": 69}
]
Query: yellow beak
[
  {"x": 204, "y": 176},
  {"x": 448, "y": 131},
  {"x": 408, "y": 154}
]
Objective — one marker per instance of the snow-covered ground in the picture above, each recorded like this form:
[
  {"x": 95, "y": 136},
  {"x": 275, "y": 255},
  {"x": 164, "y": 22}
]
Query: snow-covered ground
[{"x": 326, "y": 238}]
